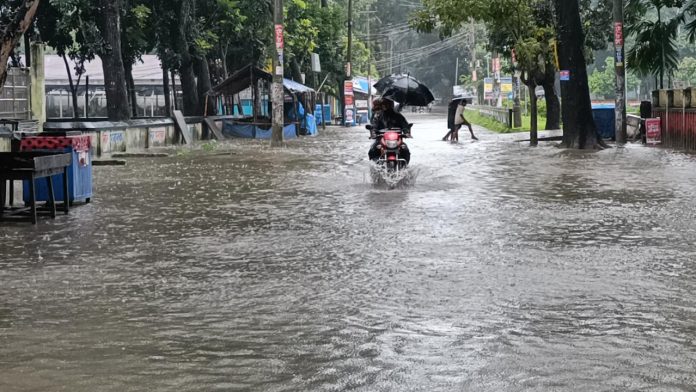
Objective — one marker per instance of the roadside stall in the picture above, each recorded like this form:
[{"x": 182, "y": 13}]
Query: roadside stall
[{"x": 243, "y": 100}]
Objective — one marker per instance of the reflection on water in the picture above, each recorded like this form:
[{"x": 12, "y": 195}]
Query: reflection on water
[{"x": 501, "y": 268}]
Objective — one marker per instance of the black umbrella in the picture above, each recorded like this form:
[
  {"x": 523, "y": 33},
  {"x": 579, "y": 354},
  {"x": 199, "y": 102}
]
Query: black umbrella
[{"x": 405, "y": 90}]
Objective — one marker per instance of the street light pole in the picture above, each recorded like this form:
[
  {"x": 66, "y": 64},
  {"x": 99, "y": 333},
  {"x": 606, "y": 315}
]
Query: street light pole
[
  {"x": 620, "y": 69},
  {"x": 277, "y": 93}
]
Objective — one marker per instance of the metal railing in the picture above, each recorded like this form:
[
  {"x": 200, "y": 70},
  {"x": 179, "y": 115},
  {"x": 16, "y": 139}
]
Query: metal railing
[
  {"x": 501, "y": 115},
  {"x": 14, "y": 95}
]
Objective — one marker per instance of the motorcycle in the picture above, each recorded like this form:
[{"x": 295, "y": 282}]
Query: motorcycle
[{"x": 393, "y": 154}]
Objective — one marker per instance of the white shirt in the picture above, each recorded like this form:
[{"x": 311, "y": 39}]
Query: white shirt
[{"x": 458, "y": 120}]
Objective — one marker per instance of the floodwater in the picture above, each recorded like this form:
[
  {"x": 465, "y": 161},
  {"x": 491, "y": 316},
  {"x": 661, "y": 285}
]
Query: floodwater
[{"x": 500, "y": 268}]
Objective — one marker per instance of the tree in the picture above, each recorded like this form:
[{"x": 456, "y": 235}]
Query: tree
[
  {"x": 67, "y": 26},
  {"x": 655, "y": 50},
  {"x": 579, "y": 129},
  {"x": 602, "y": 81},
  {"x": 686, "y": 71},
  {"x": 136, "y": 33},
  {"x": 108, "y": 18},
  {"x": 80, "y": 30},
  {"x": 301, "y": 35},
  {"x": 524, "y": 26},
  {"x": 15, "y": 18}
]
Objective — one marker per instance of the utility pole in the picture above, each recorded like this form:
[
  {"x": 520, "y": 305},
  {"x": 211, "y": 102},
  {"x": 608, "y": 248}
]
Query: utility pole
[
  {"x": 369, "y": 71},
  {"x": 349, "y": 58},
  {"x": 620, "y": 68},
  {"x": 277, "y": 92},
  {"x": 456, "y": 73},
  {"x": 369, "y": 77}
]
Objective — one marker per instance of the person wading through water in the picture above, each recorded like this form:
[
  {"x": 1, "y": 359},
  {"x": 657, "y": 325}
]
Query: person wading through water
[
  {"x": 459, "y": 120},
  {"x": 451, "y": 110}
]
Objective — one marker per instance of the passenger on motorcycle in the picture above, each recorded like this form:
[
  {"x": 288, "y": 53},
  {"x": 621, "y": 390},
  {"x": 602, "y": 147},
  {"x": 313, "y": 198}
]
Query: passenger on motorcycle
[{"x": 385, "y": 117}]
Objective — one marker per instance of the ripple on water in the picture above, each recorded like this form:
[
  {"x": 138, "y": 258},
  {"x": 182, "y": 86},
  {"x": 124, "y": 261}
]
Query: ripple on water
[{"x": 502, "y": 267}]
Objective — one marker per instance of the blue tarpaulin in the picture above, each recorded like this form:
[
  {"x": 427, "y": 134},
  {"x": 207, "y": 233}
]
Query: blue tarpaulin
[
  {"x": 249, "y": 131},
  {"x": 311, "y": 125}
]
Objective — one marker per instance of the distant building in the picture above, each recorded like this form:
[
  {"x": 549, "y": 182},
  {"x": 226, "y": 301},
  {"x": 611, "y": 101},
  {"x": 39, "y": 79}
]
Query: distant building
[{"x": 147, "y": 77}]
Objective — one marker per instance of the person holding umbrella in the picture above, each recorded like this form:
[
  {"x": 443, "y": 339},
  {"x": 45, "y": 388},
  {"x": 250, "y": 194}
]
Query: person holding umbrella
[
  {"x": 451, "y": 111},
  {"x": 388, "y": 118},
  {"x": 459, "y": 120}
]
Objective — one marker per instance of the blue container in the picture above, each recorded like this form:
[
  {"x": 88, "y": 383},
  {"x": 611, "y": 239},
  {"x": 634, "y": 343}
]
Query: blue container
[
  {"x": 327, "y": 114},
  {"x": 79, "y": 178},
  {"x": 604, "y": 119}
]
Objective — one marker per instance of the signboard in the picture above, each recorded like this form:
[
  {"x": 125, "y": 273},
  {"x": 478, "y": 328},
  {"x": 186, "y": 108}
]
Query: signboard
[
  {"x": 618, "y": 34},
  {"x": 506, "y": 85},
  {"x": 565, "y": 76},
  {"x": 487, "y": 85},
  {"x": 348, "y": 87},
  {"x": 349, "y": 116},
  {"x": 316, "y": 64},
  {"x": 618, "y": 59},
  {"x": 653, "y": 131},
  {"x": 279, "y": 42},
  {"x": 348, "y": 102},
  {"x": 361, "y": 103}
]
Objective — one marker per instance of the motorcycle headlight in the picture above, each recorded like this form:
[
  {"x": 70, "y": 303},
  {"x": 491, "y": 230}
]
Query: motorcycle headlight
[{"x": 392, "y": 143}]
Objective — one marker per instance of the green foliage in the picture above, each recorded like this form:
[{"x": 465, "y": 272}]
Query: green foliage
[
  {"x": 602, "y": 81},
  {"x": 655, "y": 50},
  {"x": 686, "y": 71}
]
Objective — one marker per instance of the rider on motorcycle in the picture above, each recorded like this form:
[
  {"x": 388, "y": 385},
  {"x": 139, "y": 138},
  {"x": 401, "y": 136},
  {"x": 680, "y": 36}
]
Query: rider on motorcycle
[{"x": 385, "y": 117}]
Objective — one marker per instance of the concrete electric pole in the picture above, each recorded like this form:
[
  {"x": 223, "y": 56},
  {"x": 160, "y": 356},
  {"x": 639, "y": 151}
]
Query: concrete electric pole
[
  {"x": 349, "y": 58},
  {"x": 620, "y": 68},
  {"x": 277, "y": 92}
]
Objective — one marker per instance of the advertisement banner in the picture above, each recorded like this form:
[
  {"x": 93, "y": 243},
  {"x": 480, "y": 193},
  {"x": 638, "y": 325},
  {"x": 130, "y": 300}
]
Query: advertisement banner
[
  {"x": 653, "y": 131},
  {"x": 280, "y": 43},
  {"x": 488, "y": 85},
  {"x": 618, "y": 34},
  {"x": 349, "y": 102},
  {"x": 506, "y": 85},
  {"x": 348, "y": 87}
]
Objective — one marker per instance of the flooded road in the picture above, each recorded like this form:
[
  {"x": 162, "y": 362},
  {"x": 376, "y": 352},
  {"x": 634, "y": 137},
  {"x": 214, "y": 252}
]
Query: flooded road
[{"x": 500, "y": 268}]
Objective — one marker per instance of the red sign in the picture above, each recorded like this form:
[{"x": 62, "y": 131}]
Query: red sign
[
  {"x": 514, "y": 56},
  {"x": 653, "y": 131},
  {"x": 348, "y": 88},
  {"x": 618, "y": 34},
  {"x": 280, "y": 42}
]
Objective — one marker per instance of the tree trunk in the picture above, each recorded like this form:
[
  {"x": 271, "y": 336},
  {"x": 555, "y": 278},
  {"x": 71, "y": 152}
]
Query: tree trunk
[
  {"x": 553, "y": 105},
  {"x": 73, "y": 87},
  {"x": 296, "y": 71},
  {"x": 132, "y": 98},
  {"x": 186, "y": 73},
  {"x": 204, "y": 86},
  {"x": 189, "y": 88},
  {"x": 533, "y": 112},
  {"x": 167, "y": 93},
  {"x": 579, "y": 130},
  {"x": 114, "y": 74},
  {"x": 13, "y": 33}
]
